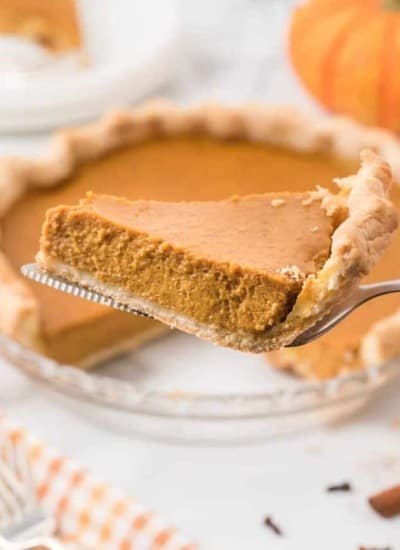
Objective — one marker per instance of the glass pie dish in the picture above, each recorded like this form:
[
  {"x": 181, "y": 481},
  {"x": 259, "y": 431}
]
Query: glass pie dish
[{"x": 180, "y": 388}]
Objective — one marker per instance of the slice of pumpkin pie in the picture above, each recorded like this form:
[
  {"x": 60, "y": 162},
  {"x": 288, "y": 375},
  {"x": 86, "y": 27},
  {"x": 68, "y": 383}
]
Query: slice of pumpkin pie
[{"x": 250, "y": 273}]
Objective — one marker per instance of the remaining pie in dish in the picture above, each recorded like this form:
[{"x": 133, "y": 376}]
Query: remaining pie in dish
[
  {"x": 163, "y": 152},
  {"x": 52, "y": 24},
  {"x": 250, "y": 273}
]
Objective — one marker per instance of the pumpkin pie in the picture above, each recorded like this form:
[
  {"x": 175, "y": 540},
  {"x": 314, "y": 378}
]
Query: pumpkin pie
[
  {"x": 250, "y": 273},
  {"x": 51, "y": 24},
  {"x": 165, "y": 153}
]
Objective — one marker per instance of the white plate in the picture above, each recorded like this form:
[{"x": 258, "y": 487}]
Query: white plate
[{"x": 132, "y": 47}]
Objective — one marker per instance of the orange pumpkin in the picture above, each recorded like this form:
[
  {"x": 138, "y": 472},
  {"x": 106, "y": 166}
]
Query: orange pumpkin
[{"x": 347, "y": 53}]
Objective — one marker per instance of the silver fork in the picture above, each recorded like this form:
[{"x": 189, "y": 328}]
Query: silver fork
[
  {"x": 359, "y": 296},
  {"x": 23, "y": 523}
]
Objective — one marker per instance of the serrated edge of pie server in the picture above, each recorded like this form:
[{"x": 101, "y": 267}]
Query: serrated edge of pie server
[{"x": 35, "y": 273}]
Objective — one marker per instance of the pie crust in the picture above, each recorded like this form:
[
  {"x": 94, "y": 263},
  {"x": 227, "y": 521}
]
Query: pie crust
[
  {"x": 103, "y": 232},
  {"x": 277, "y": 126}
]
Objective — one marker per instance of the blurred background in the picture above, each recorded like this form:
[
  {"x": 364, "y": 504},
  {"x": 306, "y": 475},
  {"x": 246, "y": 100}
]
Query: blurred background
[
  {"x": 187, "y": 51},
  {"x": 72, "y": 59},
  {"x": 235, "y": 51},
  {"x": 106, "y": 54}
]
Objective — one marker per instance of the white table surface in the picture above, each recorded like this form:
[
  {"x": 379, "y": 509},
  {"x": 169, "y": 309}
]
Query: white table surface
[{"x": 220, "y": 494}]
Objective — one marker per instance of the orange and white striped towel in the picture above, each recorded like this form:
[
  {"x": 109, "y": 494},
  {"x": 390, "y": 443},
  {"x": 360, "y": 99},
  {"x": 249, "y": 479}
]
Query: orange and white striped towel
[{"x": 90, "y": 515}]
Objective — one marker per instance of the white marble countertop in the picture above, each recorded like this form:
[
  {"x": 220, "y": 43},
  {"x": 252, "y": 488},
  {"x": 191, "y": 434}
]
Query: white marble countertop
[{"x": 221, "y": 494}]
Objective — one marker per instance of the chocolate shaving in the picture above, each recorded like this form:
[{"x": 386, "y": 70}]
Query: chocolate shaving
[
  {"x": 345, "y": 487},
  {"x": 387, "y": 502},
  {"x": 269, "y": 522}
]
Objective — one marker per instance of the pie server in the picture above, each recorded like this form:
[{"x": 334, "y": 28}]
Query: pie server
[{"x": 362, "y": 294}]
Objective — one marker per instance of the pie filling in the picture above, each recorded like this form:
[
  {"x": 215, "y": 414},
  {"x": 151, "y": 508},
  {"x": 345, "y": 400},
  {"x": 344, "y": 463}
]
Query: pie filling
[
  {"x": 234, "y": 264},
  {"x": 185, "y": 168}
]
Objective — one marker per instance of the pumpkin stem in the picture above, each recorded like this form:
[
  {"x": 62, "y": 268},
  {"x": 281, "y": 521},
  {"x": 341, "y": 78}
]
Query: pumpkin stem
[{"x": 391, "y": 4}]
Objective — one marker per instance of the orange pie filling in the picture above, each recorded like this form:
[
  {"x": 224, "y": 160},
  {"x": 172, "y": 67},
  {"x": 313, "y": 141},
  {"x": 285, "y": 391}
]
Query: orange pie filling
[
  {"x": 237, "y": 264},
  {"x": 197, "y": 169}
]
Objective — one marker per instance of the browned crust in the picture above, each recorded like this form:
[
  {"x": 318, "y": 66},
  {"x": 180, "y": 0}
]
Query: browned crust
[
  {"x": 357, "y": 245},
  {"x": 274, "y": 125}
]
